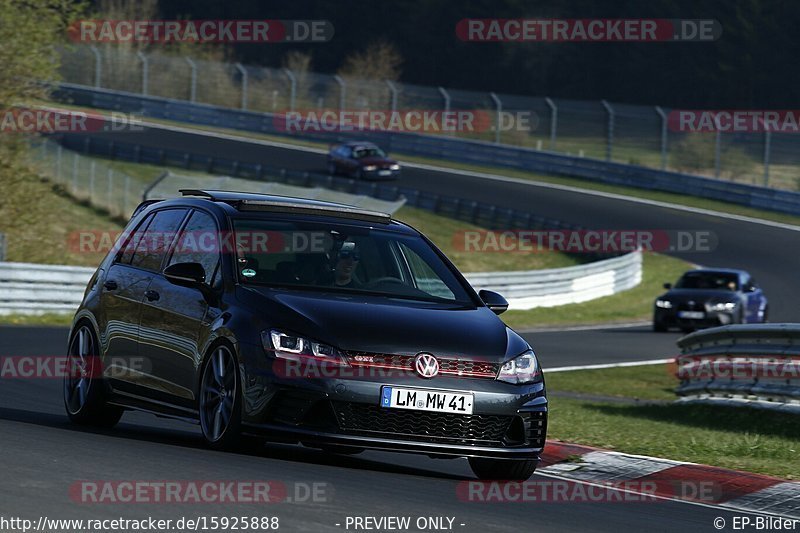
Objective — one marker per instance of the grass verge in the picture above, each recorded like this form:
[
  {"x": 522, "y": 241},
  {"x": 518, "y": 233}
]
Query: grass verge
[
  {"x": 628, "y": 306},
  {"x": 739, "y": 438}
]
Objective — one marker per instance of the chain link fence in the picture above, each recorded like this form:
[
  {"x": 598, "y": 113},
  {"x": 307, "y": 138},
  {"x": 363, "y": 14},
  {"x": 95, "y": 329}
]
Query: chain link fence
[
  {"x": 87, "y": 179},
  {"x": 622, "y": 133}
]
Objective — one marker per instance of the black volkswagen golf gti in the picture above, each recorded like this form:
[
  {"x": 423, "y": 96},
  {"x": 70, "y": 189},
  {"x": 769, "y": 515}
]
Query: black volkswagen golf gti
[{"x": 303, "y": 322}]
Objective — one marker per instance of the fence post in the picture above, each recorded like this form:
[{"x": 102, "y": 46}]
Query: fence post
[
  {"x": 767, "y": 147},
  {"x": 393, "y": 90},
  {"x": 610, "y": 134},
  {"x": 498, "y": 104},
  {"x": 243, "y": 72},
  {"x": 98, "y": 66},
  {"x": 717, "y": 152},
  {"x": 342, "y": 93},
  {"x": 2, "y": 247},
  {"x": 193, "y": 80},
  {"x": 446, "y": 97},
  {"x": 91, "y": 182},
  {"x": 58, "y": 163},
  {"x": 75, "y": 174},
  {"x": 292, "y": 88},
  {"x": 145, "y": 71},
  {"x": 663, "y": 116},
  {"x": 125, "y": 195},
  {"x": 110, "y": 180},
  {"x": 553, "y": 122}
]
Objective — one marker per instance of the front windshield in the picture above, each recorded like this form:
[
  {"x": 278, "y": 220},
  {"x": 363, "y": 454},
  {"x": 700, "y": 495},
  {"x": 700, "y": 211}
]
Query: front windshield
[
  {"x": 372, "y": 151},
  {"x": 723, "y": 281},
  {"x": 312, "y": 256}
]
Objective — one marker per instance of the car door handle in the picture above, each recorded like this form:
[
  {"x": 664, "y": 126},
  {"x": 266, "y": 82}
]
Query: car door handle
[
  {"x": 151, "y": 295},
  {"x": 110, "y": 285}
]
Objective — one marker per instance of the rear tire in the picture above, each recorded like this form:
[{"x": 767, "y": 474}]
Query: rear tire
[
  {"x": 502, "y": 469},
  {"x": 84, "y": 387},
  {"x": 658, "y": 327},
  {"x": 765, "y": 316},
  {"x": 331, "y": 169}
]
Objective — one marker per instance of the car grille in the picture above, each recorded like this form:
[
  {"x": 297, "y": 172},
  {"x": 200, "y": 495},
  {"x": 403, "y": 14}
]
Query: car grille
[
  {"x": 372, "y": 420},
  {"x": 457, "y": 367}
]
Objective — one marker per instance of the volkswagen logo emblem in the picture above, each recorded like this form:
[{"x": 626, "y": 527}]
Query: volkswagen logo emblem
[
  {"x": 691, "y": 303},
  {"x": 426, "y": 365}
]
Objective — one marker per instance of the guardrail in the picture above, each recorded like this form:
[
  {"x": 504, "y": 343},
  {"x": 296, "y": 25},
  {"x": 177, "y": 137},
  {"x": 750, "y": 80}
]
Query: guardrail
[
  {"x": 754, "y": 365},
  {"x": 559, "y": 286},
  {"x": 27, "y": 288},
  {"x": 443, "y": 147}
]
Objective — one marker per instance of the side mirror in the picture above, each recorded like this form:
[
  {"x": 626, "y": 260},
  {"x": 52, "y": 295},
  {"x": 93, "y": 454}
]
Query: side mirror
[
  {"x": 493, "y": 301},
  {"x": 185, "y": 274},
  {"x": 749, "y": 288},
  {"x": 668, "y": 286}
]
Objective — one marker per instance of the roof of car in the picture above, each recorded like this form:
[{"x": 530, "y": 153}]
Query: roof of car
[
  {"x": 720, "y": 270},
  {"x": 248, "y": 201},
  {"x": 362, "y": 144}
]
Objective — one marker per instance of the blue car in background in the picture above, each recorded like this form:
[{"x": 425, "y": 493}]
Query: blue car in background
[{"x": 709, "y": 297}]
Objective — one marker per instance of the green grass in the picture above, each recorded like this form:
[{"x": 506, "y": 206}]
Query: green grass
[
  {"x": 689, "y": 201},
  {"x": 649, "y": 382},
  {"x": 740, "y": 438},
  {"x": 628, "y": 306},
  {"x": 47, "y": 319}
]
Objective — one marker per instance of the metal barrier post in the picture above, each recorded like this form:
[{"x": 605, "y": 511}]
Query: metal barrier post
[
  {"x": 243, "y": 72},
  {"x": 292, "y": 88},
  {"x": 193, "y": 80},
  {"x": 145, "y": 71},
  {"x": 767, "y": 146},
  {"x": 717, "y": 152},
  {"x": 446, "y": 97},
  {"x": 663, "y": 116},
  {"x": 498, "y": 104},
  {"x": 91, "y": 182},
  {"x": 342, "y": 92},
  {"x": 393, "y": 90},
  {"x": 98, "y": 66},
  {"x": 553, "y": 121},
  {"x": 610, "y": 133}
]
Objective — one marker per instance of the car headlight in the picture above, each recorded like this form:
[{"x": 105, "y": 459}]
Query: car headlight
[
  {"x": 664, "y": 304},
  {"x": 522, "y": 369},
  {"x": 370, "y": 168},
  {"x": 394, "y": 167},
  {"x": 722, "y": 306},
  {"x": 289, "y": 346}
]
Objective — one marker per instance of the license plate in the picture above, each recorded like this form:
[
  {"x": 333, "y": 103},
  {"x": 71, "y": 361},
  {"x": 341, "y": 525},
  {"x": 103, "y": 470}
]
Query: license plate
[
  {"x": 384, "y": 172},
  {"x": 691, "y": 314},
  {"x": 427, "y": 400}
]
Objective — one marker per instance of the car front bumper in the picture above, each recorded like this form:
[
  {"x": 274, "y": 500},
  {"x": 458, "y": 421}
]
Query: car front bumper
[{"x": 508, "y": 421}]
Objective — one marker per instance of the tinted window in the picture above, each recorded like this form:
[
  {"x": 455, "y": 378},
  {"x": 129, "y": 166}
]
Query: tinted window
[
  {"x": 311, "y": 256},
  {"x": 723, "y": 281},
  {"x": 133, "y": 241},
  {"x": 155, "y": 242},
  {"x": 198, "y": 243}
]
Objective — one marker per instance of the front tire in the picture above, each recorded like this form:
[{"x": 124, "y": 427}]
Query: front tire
[
  {"x": 220, "y": 401},
  {"x": 659, "y": 327},
  {"x": 502, "y": 469},
  {"x": 84, "y": 387}
]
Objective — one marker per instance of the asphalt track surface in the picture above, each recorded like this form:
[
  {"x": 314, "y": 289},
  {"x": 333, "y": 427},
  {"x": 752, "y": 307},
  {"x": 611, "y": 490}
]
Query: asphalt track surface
[
  {"x": 769, "y": 253},
  {"x": 43, "y": 456}
]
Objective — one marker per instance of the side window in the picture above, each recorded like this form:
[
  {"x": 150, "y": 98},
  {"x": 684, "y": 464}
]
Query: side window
[
  {"x": 198, "y": 243},
  {"x": 424, "y": 277},
  {"x": 150, "y": 250},
  {"x": 126, "y": 252}
]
